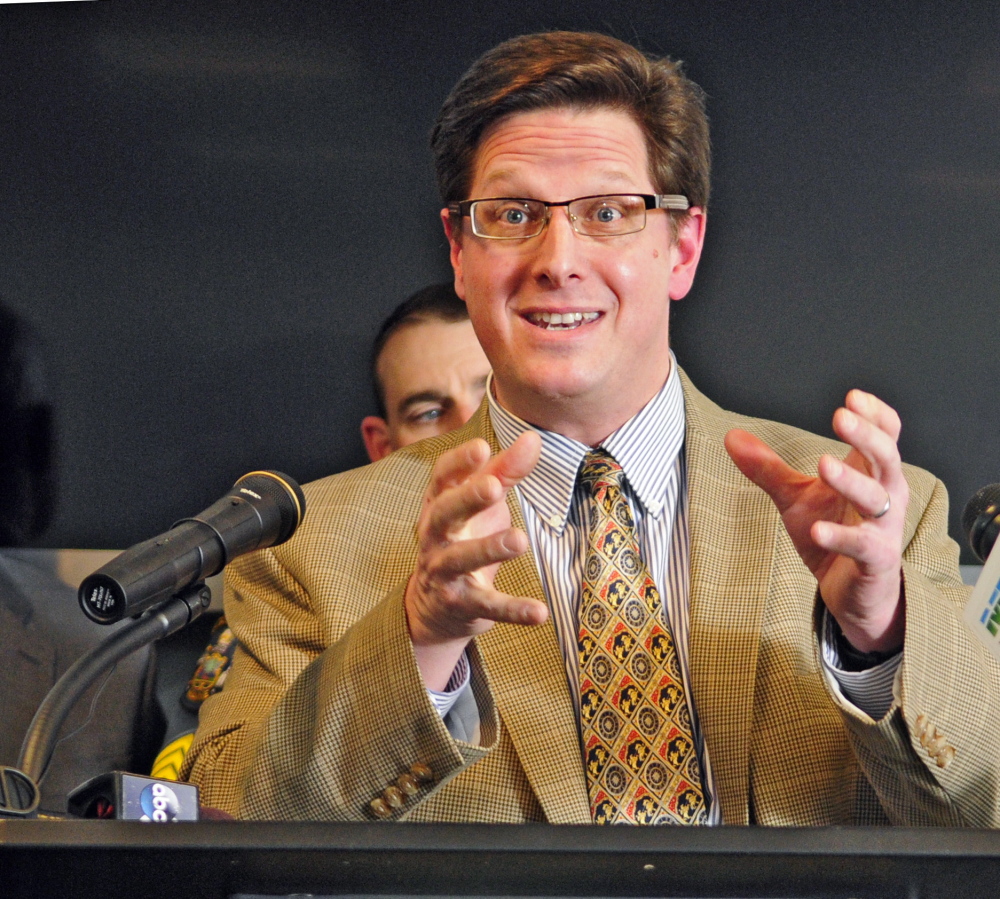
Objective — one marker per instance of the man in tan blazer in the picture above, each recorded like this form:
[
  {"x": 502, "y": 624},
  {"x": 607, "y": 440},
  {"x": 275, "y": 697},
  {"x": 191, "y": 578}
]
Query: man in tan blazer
[{"x": 405, "y": 656}]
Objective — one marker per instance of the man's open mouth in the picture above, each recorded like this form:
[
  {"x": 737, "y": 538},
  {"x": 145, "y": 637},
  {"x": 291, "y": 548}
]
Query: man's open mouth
[{"x": 561, "y": 321}]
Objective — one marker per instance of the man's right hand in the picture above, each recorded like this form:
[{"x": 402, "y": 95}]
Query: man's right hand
[{"x": 463, "y": 534}]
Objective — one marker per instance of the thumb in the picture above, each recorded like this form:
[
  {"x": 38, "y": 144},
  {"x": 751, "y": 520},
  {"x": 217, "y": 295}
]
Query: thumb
[
  {"x": 514, "y": 464},
  {"x": 765, "y": 467}
]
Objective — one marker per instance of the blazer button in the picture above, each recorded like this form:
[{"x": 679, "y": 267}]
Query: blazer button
[
  {"x": 408, "y": 784},
  {"x": 380, "y": 809},
  {"x": 393, "y": 797},
  {"x": 944, "y": 757},
  {"x": 936, "y": 743},
  {"x": 421, "y": 772}
]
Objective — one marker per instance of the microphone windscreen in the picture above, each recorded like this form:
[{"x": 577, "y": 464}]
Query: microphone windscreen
[{"x": 287, "y": 495}]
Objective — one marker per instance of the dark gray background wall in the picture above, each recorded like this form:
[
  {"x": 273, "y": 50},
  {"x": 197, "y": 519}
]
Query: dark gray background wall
[{"x": 207, "y": 208}]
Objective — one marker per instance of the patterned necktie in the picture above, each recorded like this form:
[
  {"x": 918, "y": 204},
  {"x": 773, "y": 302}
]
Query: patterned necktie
[{"x": 639, "y": 754}]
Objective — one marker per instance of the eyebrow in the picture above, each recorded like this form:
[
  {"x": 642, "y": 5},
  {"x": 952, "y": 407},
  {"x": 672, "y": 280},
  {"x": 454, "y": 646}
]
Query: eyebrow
[
  {"x": 425, "y": 396},
  {"x": 432, "y": 396}
]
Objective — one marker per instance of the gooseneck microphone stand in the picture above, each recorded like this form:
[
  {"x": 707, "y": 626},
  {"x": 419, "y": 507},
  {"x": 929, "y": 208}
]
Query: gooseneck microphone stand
[{"x": 19, "y": 793}]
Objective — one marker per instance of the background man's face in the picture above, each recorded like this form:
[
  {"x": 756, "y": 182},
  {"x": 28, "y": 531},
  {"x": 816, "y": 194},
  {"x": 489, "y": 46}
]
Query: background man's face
[
  {"x": 616, "y": 356},
  {"x": 433, "y": 374}
]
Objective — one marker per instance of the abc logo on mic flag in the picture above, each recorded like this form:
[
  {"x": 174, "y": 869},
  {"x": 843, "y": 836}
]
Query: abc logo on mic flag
[{"x": 159, "y": 803}]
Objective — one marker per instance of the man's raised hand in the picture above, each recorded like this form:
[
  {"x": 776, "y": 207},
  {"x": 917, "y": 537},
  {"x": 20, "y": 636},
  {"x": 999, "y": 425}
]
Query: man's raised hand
[
  {"x": 463, "y": 534},
  {"x": 847, "y": 524}
]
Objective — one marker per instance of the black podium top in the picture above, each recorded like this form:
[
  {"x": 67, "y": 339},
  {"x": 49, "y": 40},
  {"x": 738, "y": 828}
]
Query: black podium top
[{"x": 221, "y": 859}]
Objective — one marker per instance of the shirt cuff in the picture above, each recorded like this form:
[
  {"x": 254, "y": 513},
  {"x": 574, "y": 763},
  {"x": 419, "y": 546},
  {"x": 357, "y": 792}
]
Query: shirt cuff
[
  {"x": 870, "y": 690},
  {"x": 459, "y": 680}
]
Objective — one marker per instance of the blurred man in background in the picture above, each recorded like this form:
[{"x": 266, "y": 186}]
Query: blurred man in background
[{"x": 428, "y": 371}]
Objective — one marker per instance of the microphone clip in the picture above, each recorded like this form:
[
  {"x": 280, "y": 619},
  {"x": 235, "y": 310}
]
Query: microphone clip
[{"x": 19, "y": 794}]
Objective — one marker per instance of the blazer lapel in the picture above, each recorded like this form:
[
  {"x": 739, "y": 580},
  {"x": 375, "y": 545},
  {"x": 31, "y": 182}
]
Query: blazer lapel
[
  {"x": 730, "y": 577},
  {"x": 528, "y": 680}
]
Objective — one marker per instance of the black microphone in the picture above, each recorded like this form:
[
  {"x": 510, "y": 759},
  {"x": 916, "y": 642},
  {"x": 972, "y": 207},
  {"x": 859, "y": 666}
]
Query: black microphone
[
  {"x": 263, "y": 509},
  {"x": 981, "y": 520}
]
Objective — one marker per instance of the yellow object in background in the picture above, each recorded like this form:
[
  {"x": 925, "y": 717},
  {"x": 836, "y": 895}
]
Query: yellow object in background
[{"x": 167, "y": 765}]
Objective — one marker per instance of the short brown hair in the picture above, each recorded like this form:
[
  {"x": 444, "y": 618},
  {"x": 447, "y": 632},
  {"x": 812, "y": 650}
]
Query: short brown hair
[{"x": 577, "y": 69}]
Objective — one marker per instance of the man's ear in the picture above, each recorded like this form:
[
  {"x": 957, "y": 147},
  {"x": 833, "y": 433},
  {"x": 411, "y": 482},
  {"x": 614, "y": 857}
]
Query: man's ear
[
  {"x": 453, "y": 231},
  {"x": 375, "y": 434},
  {"x": 687, "y": 251}
]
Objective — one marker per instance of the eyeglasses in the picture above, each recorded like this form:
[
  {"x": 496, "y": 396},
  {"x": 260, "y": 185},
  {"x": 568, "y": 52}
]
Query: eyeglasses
[{"x": 607, "y": 215}]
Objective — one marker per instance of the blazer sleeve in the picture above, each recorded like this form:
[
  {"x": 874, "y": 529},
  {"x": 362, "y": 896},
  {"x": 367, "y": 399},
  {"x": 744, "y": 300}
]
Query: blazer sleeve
[
  {"x": 932, "y": 758},
  {"x": 323, "y": 712}
]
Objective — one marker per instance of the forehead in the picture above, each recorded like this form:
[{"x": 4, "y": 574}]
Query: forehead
[
  {"x": 604, "y": 145},
  {"x": 423, "y": 351}
]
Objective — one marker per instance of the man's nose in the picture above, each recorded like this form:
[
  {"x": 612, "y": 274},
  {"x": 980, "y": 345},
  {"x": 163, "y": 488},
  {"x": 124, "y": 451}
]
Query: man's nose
[{"x": 558, "y": 249}]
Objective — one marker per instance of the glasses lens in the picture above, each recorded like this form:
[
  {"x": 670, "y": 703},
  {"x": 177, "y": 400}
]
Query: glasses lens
[
  {"x": 608, "y": 215},
  {"x": 507, "y": 219}
]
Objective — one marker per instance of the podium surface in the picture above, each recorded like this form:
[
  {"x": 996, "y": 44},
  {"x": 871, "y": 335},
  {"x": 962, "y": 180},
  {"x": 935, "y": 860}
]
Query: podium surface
[{"x": 221, "y": 859}]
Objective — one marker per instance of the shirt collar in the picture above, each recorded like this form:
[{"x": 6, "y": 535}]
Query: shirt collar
[{"x": 646, "y": 447}]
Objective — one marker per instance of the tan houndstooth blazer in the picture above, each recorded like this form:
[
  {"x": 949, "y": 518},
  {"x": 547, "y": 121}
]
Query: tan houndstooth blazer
[{"x": 325, "y": 707}]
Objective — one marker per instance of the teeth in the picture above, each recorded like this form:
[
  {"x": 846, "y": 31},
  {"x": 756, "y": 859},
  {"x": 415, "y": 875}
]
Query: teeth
[{"x": 562, "y": 320}]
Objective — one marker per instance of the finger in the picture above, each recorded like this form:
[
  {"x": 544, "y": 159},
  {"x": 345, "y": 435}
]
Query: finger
[
  {"x": 465, "y": 481},
  {"x": 459, "y": 612},
  {"x": 449, "y": 512},
  {"x": 485, "y": 602},
  {"x": 876, "y": 446},
  {"x": 866, "y": 494},
  {"x": 865, "y": 545},
  {"x": 456, "y": 465},
  {"x": 765, "y": 467},
  {"x": 468, "y": 556},
  {"x": 521, "y": 610},
  {"x": 514, "y": 464},
  {"x": 878, "y": 412}
]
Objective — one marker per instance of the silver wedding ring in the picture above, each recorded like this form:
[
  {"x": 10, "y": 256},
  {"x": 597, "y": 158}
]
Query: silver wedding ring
[{"x": 885, "y": 508}]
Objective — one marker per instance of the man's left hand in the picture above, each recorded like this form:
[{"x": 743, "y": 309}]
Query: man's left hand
[{"x": 834, "y": 520}]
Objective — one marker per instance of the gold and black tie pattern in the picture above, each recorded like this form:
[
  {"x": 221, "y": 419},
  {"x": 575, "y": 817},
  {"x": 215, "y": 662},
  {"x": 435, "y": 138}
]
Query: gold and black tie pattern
[{"x": 639, "y": 753}]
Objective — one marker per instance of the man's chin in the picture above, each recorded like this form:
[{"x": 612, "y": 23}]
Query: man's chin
[{"x": 549, "y": 386}]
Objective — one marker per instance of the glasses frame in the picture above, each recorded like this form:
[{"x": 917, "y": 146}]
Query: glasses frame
[{"x": 673, "y": 202}]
